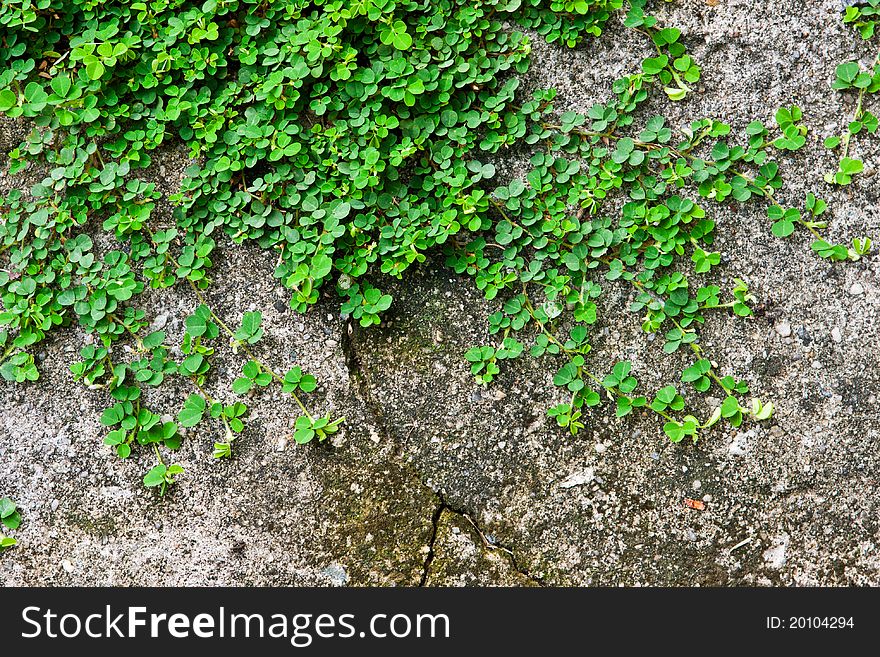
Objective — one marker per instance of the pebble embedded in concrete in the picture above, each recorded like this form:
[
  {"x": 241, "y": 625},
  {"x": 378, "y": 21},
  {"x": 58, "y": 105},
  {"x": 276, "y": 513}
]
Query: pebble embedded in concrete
[{"x": 783, "y": 329}]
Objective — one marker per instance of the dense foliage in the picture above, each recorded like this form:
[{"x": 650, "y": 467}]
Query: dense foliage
[{"x": 351, "y": 138}]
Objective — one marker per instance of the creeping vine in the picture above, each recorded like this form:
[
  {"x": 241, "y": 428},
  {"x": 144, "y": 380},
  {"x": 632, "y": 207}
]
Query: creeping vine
[{"x": 351, "y": 139}]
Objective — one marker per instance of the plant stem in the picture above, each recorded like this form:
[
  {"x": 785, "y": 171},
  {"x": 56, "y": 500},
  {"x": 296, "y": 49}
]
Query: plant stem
[{"x": 245, "y": 348}]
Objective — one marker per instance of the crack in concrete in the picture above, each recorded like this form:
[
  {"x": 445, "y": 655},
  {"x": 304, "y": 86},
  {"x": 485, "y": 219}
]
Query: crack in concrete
[
  {"x": 360, "y": 380},
  {"x": 363, "y": 388},
  {"x": 435, "y": 526},
  {"x": 357, "y": 375},
  {"x": 487, "y": 543}
]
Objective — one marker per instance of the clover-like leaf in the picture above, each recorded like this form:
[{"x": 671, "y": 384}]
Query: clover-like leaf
[{"x": 192, "y": 411}]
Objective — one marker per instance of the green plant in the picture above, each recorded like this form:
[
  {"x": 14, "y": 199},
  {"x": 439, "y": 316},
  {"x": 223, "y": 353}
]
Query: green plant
[
  {"x": 162, "y": 476},
  {"x": 350, "y": 140},
  {"x": 863, "y": 16},
  {"x": 484, "y": 360},
  {"x": 134, "y": 425},
  {"x": 850, "y": 76},
  {"x": 793, "y": 132},
  {"x": 9, "y": 514},
  {"x": 10, "y": 517}
]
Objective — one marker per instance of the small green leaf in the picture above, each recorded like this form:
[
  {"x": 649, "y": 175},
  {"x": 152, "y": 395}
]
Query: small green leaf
[
  {"x": 242, "y": 385},
  {"x": 850, "y": 166},
  {"x": 250, "y": 330},
  {"x": 13, "y": 520},
  {"x": 667, "y": 394},
  {"x": 94, "y": 69},
  {"x": 8, "y": 100},
  {"x": 192, "y": 411},
  {"x": 154, "y": 339},
  {"x": 674, "y": 431},
  {"x": 155, "y": 477},
  {"x": 729, "y": 407},
  {"x": 832, "y": 142}
]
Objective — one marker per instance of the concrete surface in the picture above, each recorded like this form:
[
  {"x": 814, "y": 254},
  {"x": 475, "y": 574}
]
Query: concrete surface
[{"x": 438, "y": 481}]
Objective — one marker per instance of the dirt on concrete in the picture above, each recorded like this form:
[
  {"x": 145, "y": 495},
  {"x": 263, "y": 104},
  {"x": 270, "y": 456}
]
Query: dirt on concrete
[{"x": 438, "y": 481}]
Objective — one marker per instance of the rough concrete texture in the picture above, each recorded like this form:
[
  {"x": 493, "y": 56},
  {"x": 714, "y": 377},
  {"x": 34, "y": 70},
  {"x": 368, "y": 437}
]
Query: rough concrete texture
[{"x": 438, "y": 481}]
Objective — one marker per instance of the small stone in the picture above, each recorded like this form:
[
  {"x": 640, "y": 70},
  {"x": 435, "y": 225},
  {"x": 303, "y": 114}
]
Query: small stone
[
  {"x": 67, "y": 565},
  {"x": 783, "y": 329},
  {"x": 816, "y": 365},
  {"x": 599, "y": 448},
  {"x": 159, "y": 322},
  {"x": 336, "y": 574},
  {"x": 578, "y": 479},
  {"x": 740, "y": 444},
  {"x": 281, "y": 443},
  {"x": 54, "y": 504},
  {"x": 804, "y": 335},
  {"x": 836, "y": 335},
  {"x": 774, "y": 556},
  {"x": 697, "y": 485},
  {"x": 856, "y": 289}
]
